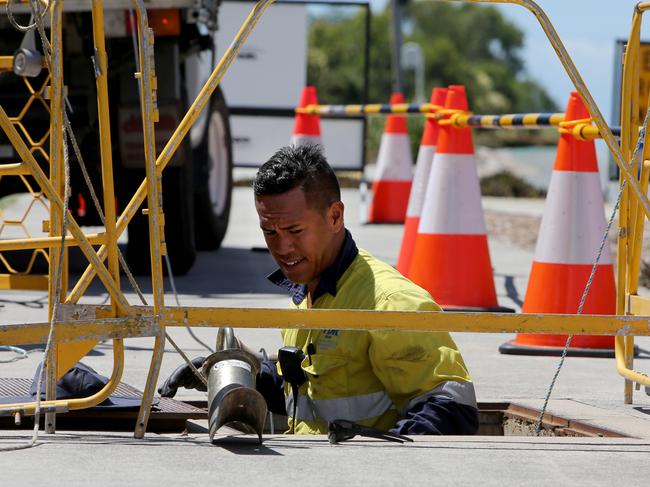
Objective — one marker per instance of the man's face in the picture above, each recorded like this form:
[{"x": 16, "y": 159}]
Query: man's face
[{"x": 301, "y": 238}]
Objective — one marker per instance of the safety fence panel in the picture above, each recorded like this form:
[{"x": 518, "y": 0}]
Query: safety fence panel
[{"x": 24, "y": 210}]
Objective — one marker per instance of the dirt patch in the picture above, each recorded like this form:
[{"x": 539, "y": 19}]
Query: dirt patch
[
  {"x": 518, "y": 230},
  {"x": 506, "y": 184},
  {"x": 522, "y": 230}
]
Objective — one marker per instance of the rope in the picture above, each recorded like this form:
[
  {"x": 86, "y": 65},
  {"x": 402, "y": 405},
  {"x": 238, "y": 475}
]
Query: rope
[
  {"x": 54, "y": 69},
  {"x": 196, "y": 371},
  {"x": 68, "y": 135},
  {"x": 35, "y": 11},
  {"x": 170, "y": 274},
  {"x": 134, "y": 284},
  {"x": 639, "y": 144},
  {"x": 123, "y": 263},
  {"x": 100, "y": 212}
]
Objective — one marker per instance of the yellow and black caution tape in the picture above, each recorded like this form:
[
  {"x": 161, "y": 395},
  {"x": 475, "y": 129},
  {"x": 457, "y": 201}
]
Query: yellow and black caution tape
[
  {"x": 581, "y": 129},
  {"x": 368, "y": 109},
  {"x": 510, "y": 120},
  {"x": 464, "y": 118}
]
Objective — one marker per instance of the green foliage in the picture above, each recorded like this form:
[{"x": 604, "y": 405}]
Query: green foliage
[
  {"x": 376, "y": 129},
  {"x": 336, "y": 57},
  {"x": 463, "y": 44}
]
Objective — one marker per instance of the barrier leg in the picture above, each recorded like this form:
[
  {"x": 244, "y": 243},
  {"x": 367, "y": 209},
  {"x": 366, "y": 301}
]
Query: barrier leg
[{"x": 150, "y": 387}]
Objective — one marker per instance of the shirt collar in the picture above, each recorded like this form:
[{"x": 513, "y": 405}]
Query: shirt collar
[{"x": 328, "y": 279}]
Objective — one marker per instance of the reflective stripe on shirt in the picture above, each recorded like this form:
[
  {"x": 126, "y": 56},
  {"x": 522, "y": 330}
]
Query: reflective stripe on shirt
[
  {"x": 459, "y": 392},
  {"x": 353, "y": 408}
]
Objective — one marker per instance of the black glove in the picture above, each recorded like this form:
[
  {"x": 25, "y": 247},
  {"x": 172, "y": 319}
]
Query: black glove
[{"x": 183, "y": 377}]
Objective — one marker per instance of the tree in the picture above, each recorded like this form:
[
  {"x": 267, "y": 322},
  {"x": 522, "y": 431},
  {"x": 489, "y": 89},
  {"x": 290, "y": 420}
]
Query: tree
[
  {"x": 336, "y": 57},
  {"x": 472, "y": 45}
]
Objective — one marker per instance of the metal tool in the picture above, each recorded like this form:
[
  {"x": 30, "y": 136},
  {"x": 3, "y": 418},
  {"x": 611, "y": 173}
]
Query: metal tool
[
  {"x": 341, "y": 429},
  {"x": 232, "y": 398}
]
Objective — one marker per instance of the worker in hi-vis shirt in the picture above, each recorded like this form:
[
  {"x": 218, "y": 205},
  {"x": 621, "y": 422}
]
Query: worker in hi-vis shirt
[{"x": 400, "y": 382}]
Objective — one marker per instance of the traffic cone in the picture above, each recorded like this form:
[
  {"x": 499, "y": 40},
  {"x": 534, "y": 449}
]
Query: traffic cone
[
  {"x": 419, "y": 187},
  {"x": 451, "y": 259},
  {"x": 306, "y": 129},
  {"x": 570, "y": 234},
  {"x": 392, "y": 184}
]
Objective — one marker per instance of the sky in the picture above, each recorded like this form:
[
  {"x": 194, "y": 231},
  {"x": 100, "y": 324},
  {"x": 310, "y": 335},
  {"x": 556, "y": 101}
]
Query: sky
[{"x": 588, "y": 29}]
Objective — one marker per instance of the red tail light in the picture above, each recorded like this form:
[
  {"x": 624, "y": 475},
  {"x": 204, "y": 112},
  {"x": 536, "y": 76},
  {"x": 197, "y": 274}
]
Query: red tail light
[{"x": 164, "y": 22}]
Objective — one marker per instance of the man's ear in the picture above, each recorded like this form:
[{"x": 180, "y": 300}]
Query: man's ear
[{"x": 335, "y": 215}]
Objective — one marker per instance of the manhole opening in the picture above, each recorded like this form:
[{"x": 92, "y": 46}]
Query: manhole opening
[
  {"x": 509, "y": 419},
  {"x": 503, "y": 419},
  {"x": 496, "y": 419}
]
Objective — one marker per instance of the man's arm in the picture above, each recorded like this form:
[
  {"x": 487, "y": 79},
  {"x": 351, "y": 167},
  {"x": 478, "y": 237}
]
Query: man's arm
[
  {"x": 424, "y": 374},
  {"x": 438, "y": 416}
]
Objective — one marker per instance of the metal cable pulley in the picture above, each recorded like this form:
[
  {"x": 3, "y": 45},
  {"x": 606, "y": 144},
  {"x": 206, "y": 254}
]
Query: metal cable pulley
[{"x": 232, "y": 398}]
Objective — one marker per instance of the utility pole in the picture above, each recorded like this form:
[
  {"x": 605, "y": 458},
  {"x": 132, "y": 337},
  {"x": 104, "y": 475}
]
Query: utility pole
[
  {"x": 396, "y": 10},
  {"x": 413, "y": 58}
]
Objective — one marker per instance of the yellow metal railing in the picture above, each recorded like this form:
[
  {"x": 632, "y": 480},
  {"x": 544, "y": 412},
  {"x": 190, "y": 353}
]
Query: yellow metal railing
[
  {"x": 75, "y": 323},
  {"x": 631, "y": 221}
]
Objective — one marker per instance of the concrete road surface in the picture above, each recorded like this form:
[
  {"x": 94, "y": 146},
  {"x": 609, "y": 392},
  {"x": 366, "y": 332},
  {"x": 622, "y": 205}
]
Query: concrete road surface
[{"x": 587, "y": 389}]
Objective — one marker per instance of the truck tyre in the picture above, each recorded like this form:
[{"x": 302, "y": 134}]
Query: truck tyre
[
  {"x": 178, "y": 205},
  {"x": 213, "y": 177}
]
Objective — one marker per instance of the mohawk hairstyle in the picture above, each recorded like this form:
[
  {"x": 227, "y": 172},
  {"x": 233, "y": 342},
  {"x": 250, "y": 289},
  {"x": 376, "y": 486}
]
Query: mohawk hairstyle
[{"x": 301, "y": 166}]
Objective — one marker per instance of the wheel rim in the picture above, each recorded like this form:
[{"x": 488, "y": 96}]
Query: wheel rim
[{"x": 218, "y": 163}]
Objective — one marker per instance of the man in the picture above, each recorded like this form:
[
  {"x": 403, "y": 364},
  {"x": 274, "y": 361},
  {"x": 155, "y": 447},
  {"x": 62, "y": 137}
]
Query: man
[{"x": 405, "y": 382}]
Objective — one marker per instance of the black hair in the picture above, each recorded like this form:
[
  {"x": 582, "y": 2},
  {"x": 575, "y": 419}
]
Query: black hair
[{"x": 301, "y": 166}]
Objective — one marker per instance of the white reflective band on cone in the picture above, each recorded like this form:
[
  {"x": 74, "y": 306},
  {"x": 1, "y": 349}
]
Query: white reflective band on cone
[
  {"x": 459, "y": 392},
  {"x": 353, "y": 408},
  {"x": 394, "y": 161},
  {"x": 420, "y": 180},
  {"x": 574, "y": 220},
  {"x": 452, "y": 205}
]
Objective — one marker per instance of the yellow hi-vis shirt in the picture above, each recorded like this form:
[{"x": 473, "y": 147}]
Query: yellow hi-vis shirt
[{"x": 373, "y": 377}]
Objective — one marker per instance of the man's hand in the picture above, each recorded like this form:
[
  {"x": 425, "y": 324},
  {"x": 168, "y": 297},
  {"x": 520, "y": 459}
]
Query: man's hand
[{"x": 183, "y": 376}]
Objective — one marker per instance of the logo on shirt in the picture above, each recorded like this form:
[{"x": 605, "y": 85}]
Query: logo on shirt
[{"x": 328, "y": 340}]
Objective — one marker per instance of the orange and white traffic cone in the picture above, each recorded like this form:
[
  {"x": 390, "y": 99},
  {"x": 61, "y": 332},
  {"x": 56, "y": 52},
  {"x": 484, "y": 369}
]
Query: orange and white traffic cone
[
  {"x": 392, "y": 184},
  {"x": 419, "y": 187},
  {"x": 570, "y": 234},
  {"x": 451, "y": 259},
  {"x": 306, "y": 129}
]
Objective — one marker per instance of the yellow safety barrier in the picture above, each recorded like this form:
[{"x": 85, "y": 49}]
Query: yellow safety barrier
[
  {"x": 631, "y": 221},
  {"x": 77, "y": 323}
]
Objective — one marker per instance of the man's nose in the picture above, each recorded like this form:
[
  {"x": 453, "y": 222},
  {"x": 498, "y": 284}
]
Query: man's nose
[{"x": 284, "y": 245}]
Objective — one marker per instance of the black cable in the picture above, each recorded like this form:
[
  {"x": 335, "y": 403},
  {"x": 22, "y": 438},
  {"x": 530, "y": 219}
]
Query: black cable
[
  {"x": 642, "y": 352},
  {"x": 294, "y": 390}
]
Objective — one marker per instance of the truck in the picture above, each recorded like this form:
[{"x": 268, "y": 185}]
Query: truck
[{"x": 190, "y": 36}]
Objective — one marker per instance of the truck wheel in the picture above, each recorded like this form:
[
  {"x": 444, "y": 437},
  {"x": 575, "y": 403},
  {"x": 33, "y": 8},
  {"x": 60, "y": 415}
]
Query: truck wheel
[
  {"x": 178, "y": 206},
  {"x": 213, "y": 166}
]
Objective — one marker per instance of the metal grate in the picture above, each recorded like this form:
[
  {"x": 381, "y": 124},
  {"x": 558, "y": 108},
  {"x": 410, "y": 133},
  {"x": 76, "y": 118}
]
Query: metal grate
[{"x": 164, "y": 408}]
